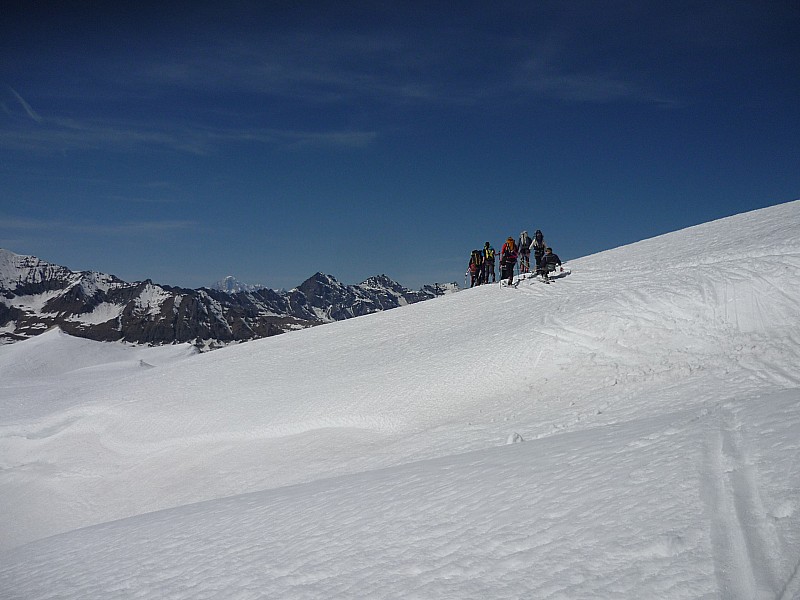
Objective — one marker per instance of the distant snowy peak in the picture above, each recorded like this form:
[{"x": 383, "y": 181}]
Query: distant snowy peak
[
  {"x": 380, "y": 281},
  {"x": 231, "y": 285}
]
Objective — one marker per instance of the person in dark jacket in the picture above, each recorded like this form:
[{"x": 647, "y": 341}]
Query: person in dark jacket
[
  {"x": 488, "y": 263},
  {"x": 475, "y": 268},
  {"x": 508, "y": 258},
  {"x": 524, "y": 249},
  {"x": 549, "y": 263},
  {"x": 537, "y": 247}
]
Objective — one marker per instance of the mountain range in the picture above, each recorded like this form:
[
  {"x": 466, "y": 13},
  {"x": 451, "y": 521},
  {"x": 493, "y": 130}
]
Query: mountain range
[{"x": 36, "y": 296}]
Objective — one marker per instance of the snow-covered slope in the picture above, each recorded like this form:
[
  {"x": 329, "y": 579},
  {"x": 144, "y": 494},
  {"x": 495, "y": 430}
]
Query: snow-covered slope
[
  {"x": 55, "y": 354},
  {"x": 656, "y": 388}
]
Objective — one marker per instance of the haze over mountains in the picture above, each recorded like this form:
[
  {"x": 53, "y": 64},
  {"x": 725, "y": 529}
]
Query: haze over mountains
[{"x": 630, "y": 431}]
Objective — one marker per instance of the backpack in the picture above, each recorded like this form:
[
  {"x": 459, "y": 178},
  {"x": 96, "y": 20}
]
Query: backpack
[
  {"x": 508, "y": 254},
  {"x": 489, "y": 253}
]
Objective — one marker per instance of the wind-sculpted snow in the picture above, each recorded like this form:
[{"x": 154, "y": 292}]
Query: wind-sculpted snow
[{"x": 656, "y": 388}]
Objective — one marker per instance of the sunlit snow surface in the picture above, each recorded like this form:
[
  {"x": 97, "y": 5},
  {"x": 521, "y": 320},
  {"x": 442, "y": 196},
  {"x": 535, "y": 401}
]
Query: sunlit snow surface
[{"x": 654, "y": 393}]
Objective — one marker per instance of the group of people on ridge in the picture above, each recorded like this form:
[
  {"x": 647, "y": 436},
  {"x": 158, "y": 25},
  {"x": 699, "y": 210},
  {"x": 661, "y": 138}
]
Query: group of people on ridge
[{"x": 481, "y": 262}]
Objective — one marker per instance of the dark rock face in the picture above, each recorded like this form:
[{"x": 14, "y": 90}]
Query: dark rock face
[{"x": 35, "y": 296}]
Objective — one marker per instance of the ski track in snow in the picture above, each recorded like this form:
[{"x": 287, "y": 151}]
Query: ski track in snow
[{"x": 747, "y": 552}]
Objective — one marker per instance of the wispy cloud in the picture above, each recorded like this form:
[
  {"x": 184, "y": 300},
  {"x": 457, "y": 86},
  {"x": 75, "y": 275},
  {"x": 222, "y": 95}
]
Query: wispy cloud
[
  {"x": 552, "y": 71},
  {"x": 303, "y": 66},
  {"x": 382, "y": 69},
  {"x": 145, "y": 200},
  {"x": 595, "y": 87},
  {"x": 128, "y": 228},
  {"x": 348, "y": 85},
  {"x": 339, "y": 139},
  {"x": 60, "y": 135},
  {"x": 25, "y": 106}
]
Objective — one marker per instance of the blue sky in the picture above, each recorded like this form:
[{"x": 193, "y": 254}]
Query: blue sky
[{"x": 186, "y": 141}]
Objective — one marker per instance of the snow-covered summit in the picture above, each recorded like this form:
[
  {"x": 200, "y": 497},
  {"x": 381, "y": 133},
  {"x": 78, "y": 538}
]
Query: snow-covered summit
[
  {"x": 18, "y": 270},
  {"x": 27, "y": 275},
  {"x": 231, "y": 285},
  {"x": 656, "y": 388}
]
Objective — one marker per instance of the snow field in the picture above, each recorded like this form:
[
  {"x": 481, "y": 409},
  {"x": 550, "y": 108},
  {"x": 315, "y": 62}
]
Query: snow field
[{"x": 656, "y": 388}]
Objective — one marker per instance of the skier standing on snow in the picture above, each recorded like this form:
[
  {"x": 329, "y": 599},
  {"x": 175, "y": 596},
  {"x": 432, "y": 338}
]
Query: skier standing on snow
[
  {"x": 524, "y": 245},
  {"x": 471, "y": 268},
  {"x": 480, "y": 260},
  {"x": 488, "y": 263},
  {"x": 508, "y": 258},
  {"x": 538, "y": 245},
  {"x": 549, "y": 263},
  {"x": 475, "y": 268}
]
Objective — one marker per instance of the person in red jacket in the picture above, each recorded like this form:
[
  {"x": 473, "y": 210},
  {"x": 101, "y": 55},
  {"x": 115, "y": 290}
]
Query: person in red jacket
[{"x": 508, "y": 258}]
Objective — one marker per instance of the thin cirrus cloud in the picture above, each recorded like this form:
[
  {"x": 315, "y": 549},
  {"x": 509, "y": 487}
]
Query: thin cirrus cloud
[
  {"x": 303, "y": 71},
  {"x": 25, "y": 106},
  {"x": 549, "y": 70},
  {"x": 133, "y": 228},
  {"x": 302, "y": 66},
  {"x": 593, "y": 88},
  {"x": 75, "y": 134},
  {"x": 32, "y": 131},
  {"x": 334, "y": 69}
]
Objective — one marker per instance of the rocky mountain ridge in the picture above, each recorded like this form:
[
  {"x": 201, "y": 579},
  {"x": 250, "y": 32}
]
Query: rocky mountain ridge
[{"x": 36, "y": 295}]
